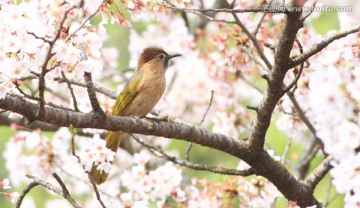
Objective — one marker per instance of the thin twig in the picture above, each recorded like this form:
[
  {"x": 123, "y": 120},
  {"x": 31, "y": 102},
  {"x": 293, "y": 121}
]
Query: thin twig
[
  {"x": 270, "y": 46},
  {"x": 259, "y": 24},
  {"x": 23, "y": 93},
  {"x": 306, "y": 157},
  {"x": 193, "y": 165},
  {"x": 208, "y": 107},
  {"x": 114, "y": 95},
  {"x": 83, "y": 23},
  {"x": 233, "y": 11},
  {"x": 96, "y": 87},
  {"x": 286, "y": 151},
  {"x": 304, "y": 118},
  {"x": 44, "y": 69},
  {"x": 254, "y": 108},
  {"x": 187, "y": 152},
  {"x": 63, "y": 186},
  {"x": 36, "y": 181},
  {"x": 46, "y": 103},
  {"x": 294, "y": 82},
  {"x": 25, "y": 191},
  {"x": 98, "y": 194},
  {"x": 260, "y": 21},
  {"x": 73, "y": 148},
  {"x": 85, "y": 182},
  {"x": 250, "y": 84},
  {"x": 253, "y": 40},
  {"x": 71, "y": 91},
  {"x": 303, "y": 18},
  {"x": 188, "y": 148},
  {"x": 40, "y": 38},
  {"x": 201, "y": 14},
  {"x": 321, "y": 45}
]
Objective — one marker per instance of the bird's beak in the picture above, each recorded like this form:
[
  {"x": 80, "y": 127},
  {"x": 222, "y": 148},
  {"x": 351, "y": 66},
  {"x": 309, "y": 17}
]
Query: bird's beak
[
  {"x": 173, "y": 56},
  {"x": 166, "y": 63}
]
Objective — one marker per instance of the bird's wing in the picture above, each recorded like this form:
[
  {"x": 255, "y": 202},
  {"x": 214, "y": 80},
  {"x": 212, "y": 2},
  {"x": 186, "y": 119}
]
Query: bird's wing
[{"x": 128, "y": 94}]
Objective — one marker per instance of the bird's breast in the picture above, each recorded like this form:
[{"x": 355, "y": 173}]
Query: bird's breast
[{"x": 151, "y": 91}]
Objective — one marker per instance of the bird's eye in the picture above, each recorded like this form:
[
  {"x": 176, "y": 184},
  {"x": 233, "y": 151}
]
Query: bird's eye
[{"x": 161, "y": 56}]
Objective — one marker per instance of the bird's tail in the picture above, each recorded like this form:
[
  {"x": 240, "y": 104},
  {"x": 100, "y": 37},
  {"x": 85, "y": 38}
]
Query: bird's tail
[{"x": 113, "y": 140}]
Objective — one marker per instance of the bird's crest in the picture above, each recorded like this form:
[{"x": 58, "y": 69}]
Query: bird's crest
[{"x": 148, "y": 54}]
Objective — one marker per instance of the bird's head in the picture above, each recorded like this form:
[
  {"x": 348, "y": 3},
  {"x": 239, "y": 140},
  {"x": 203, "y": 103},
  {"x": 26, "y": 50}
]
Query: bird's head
[{"x": 156, "y": 56}]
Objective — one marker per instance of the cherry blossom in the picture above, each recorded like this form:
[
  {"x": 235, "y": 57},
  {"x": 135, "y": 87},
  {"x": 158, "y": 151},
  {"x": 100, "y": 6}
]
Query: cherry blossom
[{"x": 96, "y": 153}]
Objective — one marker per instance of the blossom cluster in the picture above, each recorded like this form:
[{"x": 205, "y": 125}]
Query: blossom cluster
[
  {"x": 328, "y": 93},
  {"x": 49, "y": 35},
  {"x": 135, "y": 184},
  {"x": 97, "y": 154}
]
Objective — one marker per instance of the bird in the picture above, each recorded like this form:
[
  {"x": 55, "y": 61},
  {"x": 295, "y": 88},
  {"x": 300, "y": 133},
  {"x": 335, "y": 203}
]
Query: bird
[{"x": 140, "y": 94}]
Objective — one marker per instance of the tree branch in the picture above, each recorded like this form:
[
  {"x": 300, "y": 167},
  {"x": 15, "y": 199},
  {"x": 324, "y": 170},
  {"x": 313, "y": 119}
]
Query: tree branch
[
  {"x": 194, "y": 166},
  {"x": 324, "y": 43},
  {"x": 304, "y": 118},
  {"x": 233, "y": 11},
  {"x": 71, "y": 91},
  {"x": 36, "y": 181},
  {"x": 95, "y": 86},
  {"x": 65, "y": 191},
  {"x": 92, "y": 95},
  {"x": 98, "y": 197},
  {"x": 275, "y": 80},
  {"x": 306, "y": 157},
  {"x": 253, "y": 40},
  {"x": 44, "y": 69},
  {"x": 319, "y": 173},
  {"x": 260, "y": 160},
  {"x": 25, "y": 191}
]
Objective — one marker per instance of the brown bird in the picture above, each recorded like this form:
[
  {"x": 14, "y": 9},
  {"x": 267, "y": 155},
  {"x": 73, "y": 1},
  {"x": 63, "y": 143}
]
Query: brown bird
[{"x": 140, "y": 94}]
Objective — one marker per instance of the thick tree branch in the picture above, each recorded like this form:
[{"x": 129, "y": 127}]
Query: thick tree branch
[
  {"x": 260, "y": 160},
  {"x": 275, "y": 82},
  {"x": 127, "y": 124},
  {"x": 6, "y": 121}
]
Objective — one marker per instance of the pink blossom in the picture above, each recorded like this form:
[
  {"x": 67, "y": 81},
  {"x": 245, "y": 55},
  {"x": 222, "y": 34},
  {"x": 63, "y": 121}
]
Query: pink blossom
[
  {"x": 5, "y": 184},
  {"x": 96, "y": 153},
  {"x": 13, "y": 197}
]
